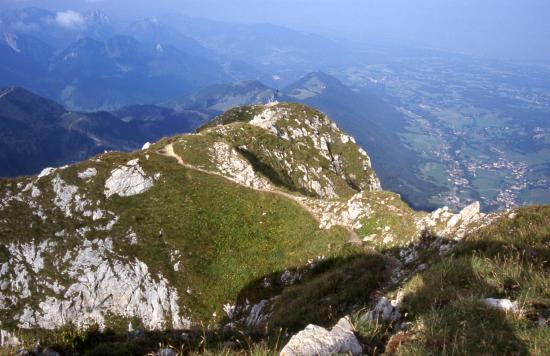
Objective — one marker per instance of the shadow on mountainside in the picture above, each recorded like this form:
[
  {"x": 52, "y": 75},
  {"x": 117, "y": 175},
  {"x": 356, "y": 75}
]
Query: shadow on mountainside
[
  {"x": 319, "y": 293},
  {"x": 443, "y": 305}
]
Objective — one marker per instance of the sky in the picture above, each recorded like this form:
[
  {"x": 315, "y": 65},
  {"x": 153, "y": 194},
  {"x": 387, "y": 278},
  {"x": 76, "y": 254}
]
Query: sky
[{"x": 505, "y": 29}]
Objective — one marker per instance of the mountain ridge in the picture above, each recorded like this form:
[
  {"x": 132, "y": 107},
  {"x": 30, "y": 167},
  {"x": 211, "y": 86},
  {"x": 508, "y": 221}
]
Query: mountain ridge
[
  {"x": 267, "y": 218},
  {"x": 37, "y": 132}
]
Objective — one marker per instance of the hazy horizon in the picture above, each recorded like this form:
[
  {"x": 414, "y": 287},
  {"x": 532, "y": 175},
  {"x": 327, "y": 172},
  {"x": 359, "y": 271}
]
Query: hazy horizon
[{"x": 487, "y": 28}]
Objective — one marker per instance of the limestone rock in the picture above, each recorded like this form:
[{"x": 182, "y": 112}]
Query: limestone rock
[
  {"x": 257, "y": 316},
  {"x": 231, "y": 164},
  {"x": 63, "y": 195},
  {"x": 385, "y": 310},
  {"x": 446, "y": 224},
  {"x": 7, "y": 339},
  {"x": 88, "y": 173},
  {"x": 128, "y": 180},
  {"x": 102, "y": 283},
  {"x": 502, "y": 304},
  {"x": 349, "y": 213},
  {"x": 466, "y": 215},
  {"x": 268, "y": 118},
  {"x": 46, "y": 172},
  {"x": 317, "y": 341}
]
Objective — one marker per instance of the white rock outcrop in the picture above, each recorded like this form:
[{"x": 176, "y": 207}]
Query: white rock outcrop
[
  {"x": 98, "y": 282},
  {"x": 348, "y": 214},
  {"x": 64, "y": 194},
  {"x": 256, "y": 314},
  {"x": 384, "y": 310},
  {"x": 88, "y": 173},
  {"x": 231, "y": 164},
  {"x": 7, "y": 339},
  {"x": 268, "y": 118},
  {"x": 503, "y": 304},
  {"x": 317, "y": 341},
  {"x": 444, "y": 223},
  {"x": 46, "y": 172},
  {"x": 128, "y": 180},
  {"x": 466, "y": 215}
]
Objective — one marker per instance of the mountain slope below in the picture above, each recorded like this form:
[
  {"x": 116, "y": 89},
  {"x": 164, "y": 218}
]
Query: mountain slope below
[
  {"x": 192, "y": 236},
  {"x": 267, "y": 219}
]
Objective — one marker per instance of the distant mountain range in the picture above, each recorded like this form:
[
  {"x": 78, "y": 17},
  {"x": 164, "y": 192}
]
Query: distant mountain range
[
  {"x": 274, "y": 48},
  {"x": 91, "y": 74},
  {"x": 89, "y": 62},
  {"x": 222, "y": 97}
]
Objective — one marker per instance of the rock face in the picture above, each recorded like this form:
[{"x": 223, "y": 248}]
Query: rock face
[
  {"x": 318, "y": 341},
  {"x": 103, "y": 283},
  {"x": 8, "y": 340},
  {"x": 305, "y": 147},
  {"x": 231, "y": 164},
  {"x": 267, "y": 118},
  {"x": 385, "y": 310},
  {"x": 64, "y": 195},
  {"x": 88, "y": 173},
  {"x": 466, "y": 215},
  {"x": 128, "y": 180},
  {"x": 444, "y": 223},
  {"x": 349, "y": 213},
  {"x": 322, "y": 134}
]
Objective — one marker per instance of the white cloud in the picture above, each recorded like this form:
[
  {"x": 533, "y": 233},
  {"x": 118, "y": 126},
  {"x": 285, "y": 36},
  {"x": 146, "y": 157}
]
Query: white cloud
[{"x": 70, "y": 19}]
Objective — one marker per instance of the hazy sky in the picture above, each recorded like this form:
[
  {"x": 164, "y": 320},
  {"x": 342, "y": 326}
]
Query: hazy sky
[{"x": 511, "y": 29}]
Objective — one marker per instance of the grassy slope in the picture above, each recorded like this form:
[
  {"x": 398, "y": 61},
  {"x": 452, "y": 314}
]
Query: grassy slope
[
  {"x": 229, "y": 236},
  {"x": 508, "y": 259}
]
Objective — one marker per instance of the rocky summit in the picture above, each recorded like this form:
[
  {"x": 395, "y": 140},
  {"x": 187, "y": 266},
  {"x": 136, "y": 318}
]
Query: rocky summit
[{"x": 265, "y": 231}]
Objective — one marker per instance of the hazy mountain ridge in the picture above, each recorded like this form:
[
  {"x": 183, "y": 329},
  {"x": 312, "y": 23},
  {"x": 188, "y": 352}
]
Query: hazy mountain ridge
[
  {"x": 37, "y": 132},
  {"x": 223, "y": 97},
  {"x": 89, "y": 67}
]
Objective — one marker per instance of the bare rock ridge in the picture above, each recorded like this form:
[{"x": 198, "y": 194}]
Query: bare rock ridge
[{"x": 337, "y": 162}]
